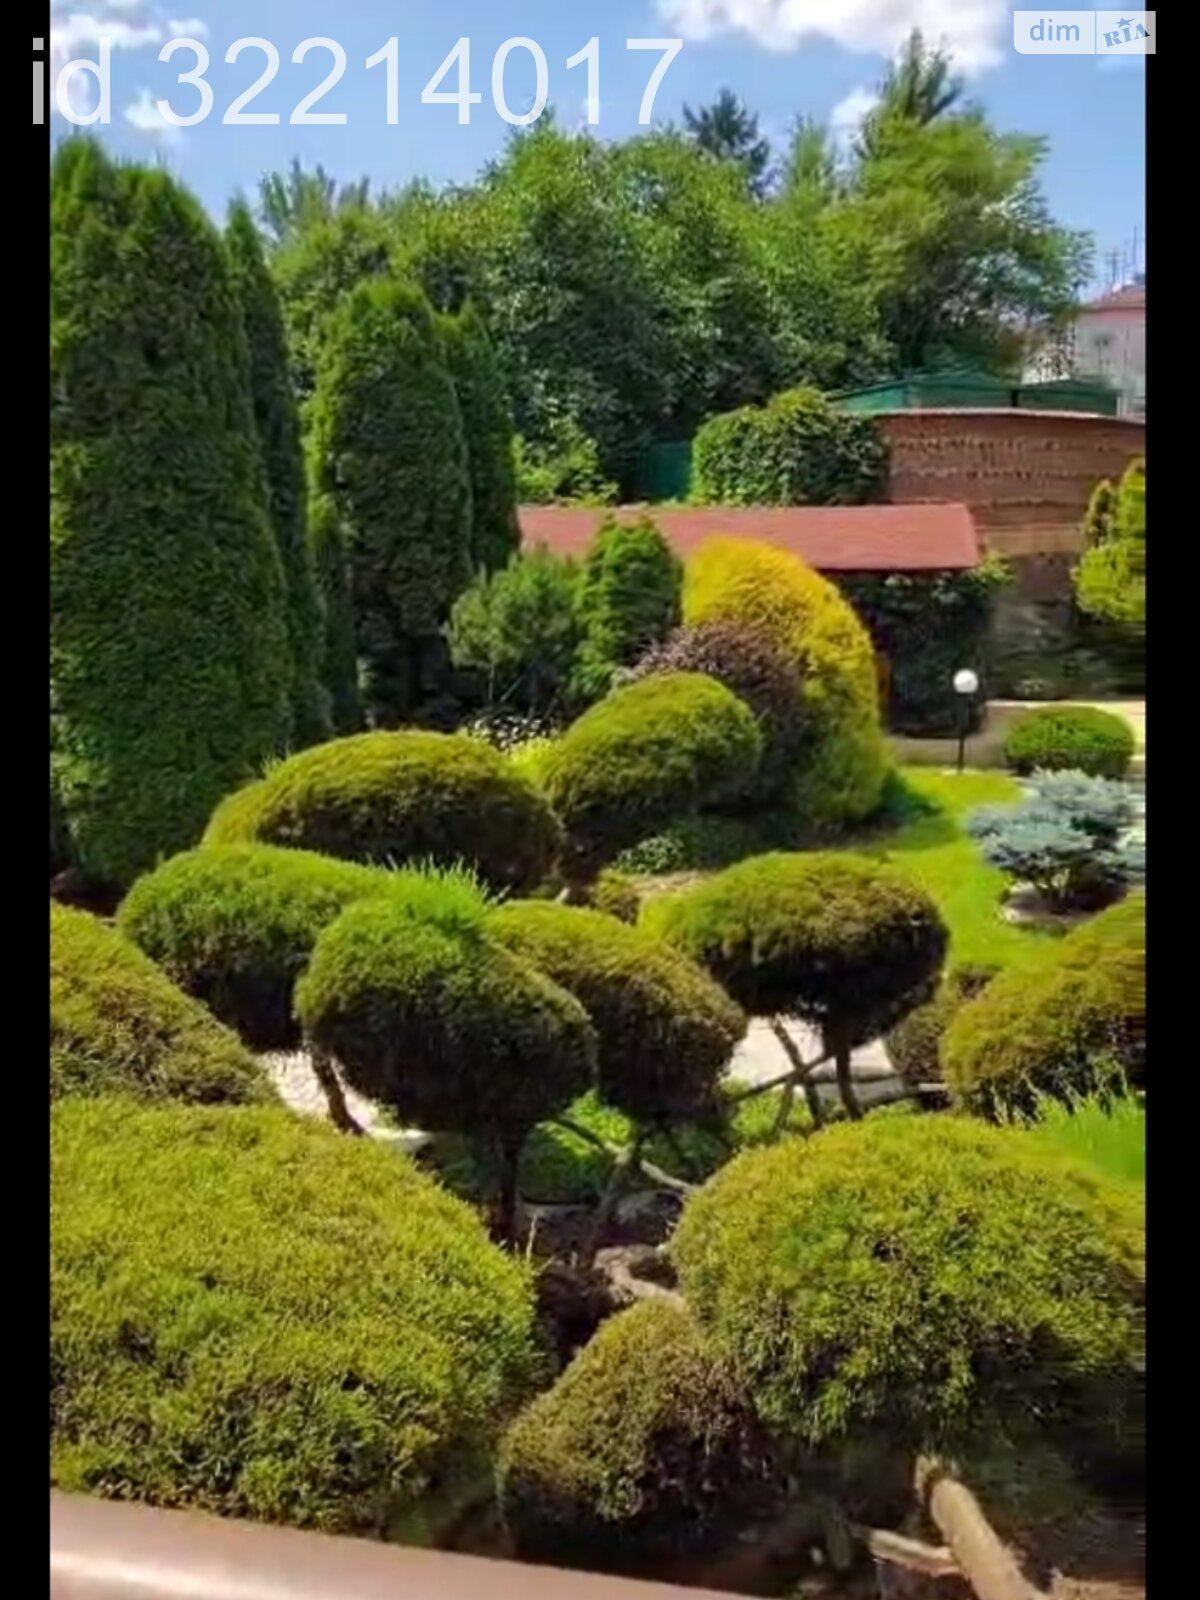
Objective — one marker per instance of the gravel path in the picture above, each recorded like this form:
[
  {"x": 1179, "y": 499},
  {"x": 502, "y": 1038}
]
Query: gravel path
[{"x": 758, "y": 1059}]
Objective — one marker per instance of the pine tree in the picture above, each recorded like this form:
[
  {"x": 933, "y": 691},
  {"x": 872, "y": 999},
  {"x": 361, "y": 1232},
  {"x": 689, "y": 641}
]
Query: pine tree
[
  {"x": 388, "y": 453},
  {"x": 169, "y": 652},
  {"x": 487, "y": 424},
  {"x": 278, "y": 420}
]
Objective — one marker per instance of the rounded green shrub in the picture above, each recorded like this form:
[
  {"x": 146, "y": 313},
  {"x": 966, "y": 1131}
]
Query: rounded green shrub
[
  {"x": 616, "y": 895},
  {"x": 648, "y": 753},
  {"x": 1070, "y": 738},
  {"x": 234, "y": 925},
  {"x": 169, "y": 653},
  {"x": 1062, "y": 1027},
  {"x": 118, "y": 1025},
  {"x": 839, "y": 771},
  {"x": 665, "y": 1029},
  {"x": 913, "y": 1044},
  {"x": 391, "y": 797},
  {"x": 644, "y": 1450},
  {"x": 754, "y": 668},
  {"x": 847, "y": 944},
  {"x": 428, "y": 1015},
  {"x": 255, "y": 1316},
  {"x": 917, "y": 1275}
]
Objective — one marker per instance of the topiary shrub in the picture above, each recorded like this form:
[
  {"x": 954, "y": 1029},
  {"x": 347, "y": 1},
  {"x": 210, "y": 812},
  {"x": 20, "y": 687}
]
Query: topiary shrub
[
  {"x": 645, "y": 1450},
  {"x": 628, "y": 600},
  {"x": 1065, "y": 1026},
  {"x": 665, "y": 1030},
  {"x": 234, "y": 925},
  {"x": 797, "y": 450},
  {"x": 169, "y": 652},
  {"x": 615, "y": 895},
  {"x": 648, "y": 753},
  {"x": 120, "y": 1026},
  {"x": 429, "y": 1016},
  {"x": 402, "y": 796},
  {"x": 754, "y": 668},
  {"x": 387, "y": 452},
  {"x": 912, "y": 1045},
  {"x": 1075, "y": 738},
  {"x": 254, "y": 1316},
  {"x": 848, "y": 945},
  {"x": 841, "y": 769},
  {"x": 919, "y": 1276}
]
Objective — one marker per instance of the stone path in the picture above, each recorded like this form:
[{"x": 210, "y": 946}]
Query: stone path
[{"x": 759, "y": 1058}]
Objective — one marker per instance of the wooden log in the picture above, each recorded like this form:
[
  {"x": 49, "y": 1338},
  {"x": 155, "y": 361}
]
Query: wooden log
[{"x": 986, "y": 1562}]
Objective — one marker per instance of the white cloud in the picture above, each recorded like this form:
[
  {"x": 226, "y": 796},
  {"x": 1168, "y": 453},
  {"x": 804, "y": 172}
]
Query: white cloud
[
  {"x": 75, "y": 31},
  {"x": 144, "y": 115},
  {"x": 77, "y": 27},
  {"x": 847, "y": 116},
  {"x": 975, "y": 31}
]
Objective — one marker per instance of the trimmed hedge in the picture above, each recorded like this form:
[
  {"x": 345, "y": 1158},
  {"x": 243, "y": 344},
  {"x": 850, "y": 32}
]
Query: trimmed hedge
[
  {"x": 1061, "y": 1027},
  {"x": 913, "y": 1044},
  {"x": 169, "y": 653},
  {"x": 841, "y": 769},
  {"x": 644, "y": 1450},
  {"x": 255, "y": 1316},
  {"x": 797, "y": 450},
  {"x": 234, "y": 925},
  {"x": 387, "y": 798},
  {"x": 918, "y": 1275},
  {"x": 387, "y": 451},
  {"x": 1070, "y": 738},
  {"x": 752, "y": 667},
  {"x": 426, "y": 1014},
  {"x": 628, "y": 599},
  {"x": 648, "y": 753},
  {"x": 847, "y": 944},
  {"x": 118, "y": 1025},
  {"x": 665, "y": 1029}
]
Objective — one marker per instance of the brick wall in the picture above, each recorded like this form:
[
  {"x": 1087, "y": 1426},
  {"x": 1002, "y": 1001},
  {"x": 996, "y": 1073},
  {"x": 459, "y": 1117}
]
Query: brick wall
[{"x": 1026, "y": 475}]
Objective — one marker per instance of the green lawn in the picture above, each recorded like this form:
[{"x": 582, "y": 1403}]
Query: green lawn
[
  {"x": 930, "y": 844},
  {"x": 921, "y": 832}
]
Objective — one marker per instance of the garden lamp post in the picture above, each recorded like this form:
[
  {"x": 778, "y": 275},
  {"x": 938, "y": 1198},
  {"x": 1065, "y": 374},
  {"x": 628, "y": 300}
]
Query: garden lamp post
[{"x": 966, "y": 686}]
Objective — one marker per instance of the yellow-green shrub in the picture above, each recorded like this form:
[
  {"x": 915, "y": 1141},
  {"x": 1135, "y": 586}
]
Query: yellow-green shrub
[
  {"x": 1062, "y": 1027},
  {"x": 917, "y": 1275},
  {"x": 391, "y": 797},
  {"x": 255, "y": 1316},
  {"x": 118, "y": 1025},
  {"x": 840, "y": 771},
  {"x": 645, "y": 1448}
]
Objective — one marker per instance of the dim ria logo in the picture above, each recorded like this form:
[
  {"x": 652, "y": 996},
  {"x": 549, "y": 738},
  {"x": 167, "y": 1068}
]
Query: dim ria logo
[{"x": 1084, "y": 33}]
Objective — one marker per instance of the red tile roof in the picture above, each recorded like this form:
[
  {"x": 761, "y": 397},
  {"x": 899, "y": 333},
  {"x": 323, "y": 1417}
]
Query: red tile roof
[
  {"x": 908, "y": 538},
  {"x": 1130, "y": 297}
]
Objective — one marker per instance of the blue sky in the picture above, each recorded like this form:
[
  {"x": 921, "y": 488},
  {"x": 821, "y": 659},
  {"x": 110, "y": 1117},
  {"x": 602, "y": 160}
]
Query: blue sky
[{"x": 784, "y": 57}]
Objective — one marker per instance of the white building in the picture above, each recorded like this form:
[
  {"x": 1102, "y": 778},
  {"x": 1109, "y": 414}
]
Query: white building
[{"x": 1109, "y": 341}]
